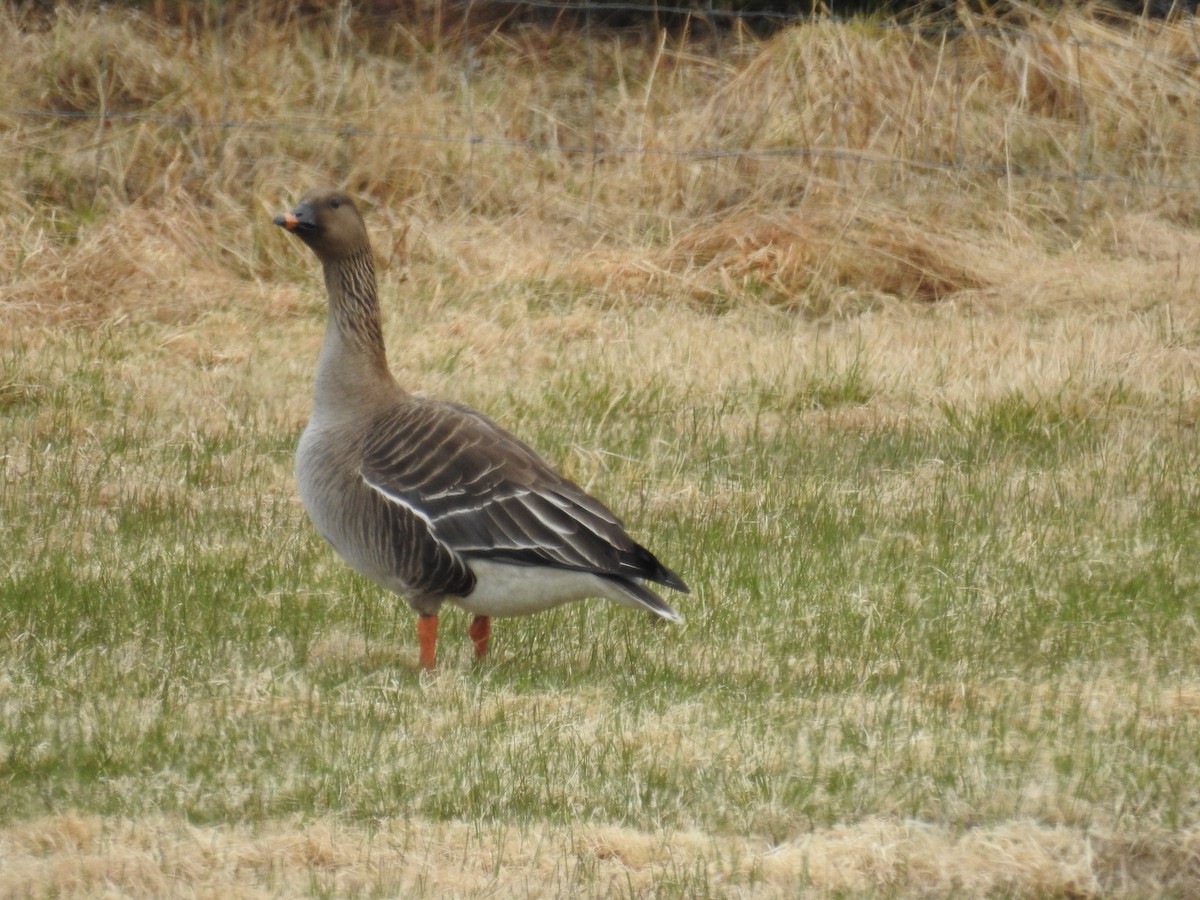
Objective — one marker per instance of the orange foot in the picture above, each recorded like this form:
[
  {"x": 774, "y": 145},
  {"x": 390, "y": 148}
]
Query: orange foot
[
  {"x": 427, "y": 638},
  {"x": 480, "y": 631}
]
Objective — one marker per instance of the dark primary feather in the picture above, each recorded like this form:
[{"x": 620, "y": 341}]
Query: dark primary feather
[{"x": 484, "y": 493}]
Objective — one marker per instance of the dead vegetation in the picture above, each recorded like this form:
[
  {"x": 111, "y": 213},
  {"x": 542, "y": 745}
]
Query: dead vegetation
[
  {"x": 932, "y": 225},
  {"x": 928, "y": 167},
  {"x": 71, "y": 856}
]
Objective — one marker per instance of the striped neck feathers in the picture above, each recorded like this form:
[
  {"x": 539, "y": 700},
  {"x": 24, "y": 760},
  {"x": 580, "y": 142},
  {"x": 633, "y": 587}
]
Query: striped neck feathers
[{"x": 354, "y": 301}]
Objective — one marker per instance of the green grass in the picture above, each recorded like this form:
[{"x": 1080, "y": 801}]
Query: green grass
[{"x": 966, "y": 619}]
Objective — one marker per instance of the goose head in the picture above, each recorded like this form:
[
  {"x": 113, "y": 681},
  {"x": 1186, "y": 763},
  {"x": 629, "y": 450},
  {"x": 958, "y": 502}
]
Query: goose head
[{"x": 329, "y": 223}]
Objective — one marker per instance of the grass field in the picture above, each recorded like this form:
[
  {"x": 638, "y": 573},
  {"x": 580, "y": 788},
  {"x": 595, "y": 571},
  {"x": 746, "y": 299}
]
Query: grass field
[{"x": 924, "y": 444}]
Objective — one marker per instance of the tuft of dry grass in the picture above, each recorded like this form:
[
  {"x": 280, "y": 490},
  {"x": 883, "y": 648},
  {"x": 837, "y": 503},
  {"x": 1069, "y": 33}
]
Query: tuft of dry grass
[
  {"x": 802, "y": 256},
  {"x": 153, "y": 263}
]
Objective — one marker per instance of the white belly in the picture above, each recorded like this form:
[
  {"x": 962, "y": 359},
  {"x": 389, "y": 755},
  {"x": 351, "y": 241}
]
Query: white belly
[{"x": 502, "y": 589}]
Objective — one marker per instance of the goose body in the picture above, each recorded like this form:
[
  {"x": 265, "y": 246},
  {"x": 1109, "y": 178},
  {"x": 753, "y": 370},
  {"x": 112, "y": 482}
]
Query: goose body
[{"x": 433, "y": 500}]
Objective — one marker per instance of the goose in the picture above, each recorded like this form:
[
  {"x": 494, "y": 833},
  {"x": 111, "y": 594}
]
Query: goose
[{"x": 431, "y": 499}]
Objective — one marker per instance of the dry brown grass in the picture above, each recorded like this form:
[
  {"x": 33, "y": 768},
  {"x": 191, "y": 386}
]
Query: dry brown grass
[
  {"x": 105, "y": 203},
  {"x": 72, "y": 856}
]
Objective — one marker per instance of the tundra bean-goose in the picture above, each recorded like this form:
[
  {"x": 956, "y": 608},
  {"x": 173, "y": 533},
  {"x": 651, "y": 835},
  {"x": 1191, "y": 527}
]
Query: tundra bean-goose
[{"x": 433, "y": 500}]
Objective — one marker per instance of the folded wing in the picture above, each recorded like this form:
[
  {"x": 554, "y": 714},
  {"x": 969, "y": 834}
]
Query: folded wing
[{"x": 484, "y": 493}]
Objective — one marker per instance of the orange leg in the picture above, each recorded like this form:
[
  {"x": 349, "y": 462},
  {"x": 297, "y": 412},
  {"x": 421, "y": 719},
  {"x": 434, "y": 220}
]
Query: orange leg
[
  {"x": 480, "y": 631},
  {"x": 427, "y": 638}
]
